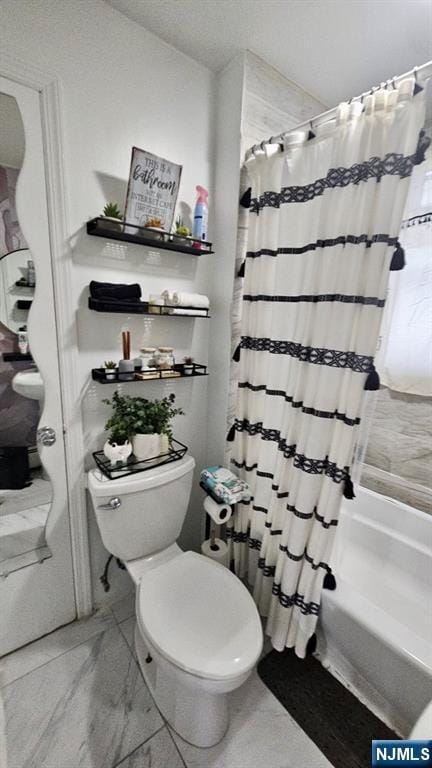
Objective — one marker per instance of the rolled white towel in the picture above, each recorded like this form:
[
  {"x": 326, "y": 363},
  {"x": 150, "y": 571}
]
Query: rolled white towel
[
  {"x": 168, "y": 296},
  {"x": 180, "y": 311},
  {"x": 181, "y": 299}
]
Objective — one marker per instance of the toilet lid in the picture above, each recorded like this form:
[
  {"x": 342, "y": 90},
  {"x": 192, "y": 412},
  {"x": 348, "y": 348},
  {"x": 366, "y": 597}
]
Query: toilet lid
[{"x": 200, "y": 617}]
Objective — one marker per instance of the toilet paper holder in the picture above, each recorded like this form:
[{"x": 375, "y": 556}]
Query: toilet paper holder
[{"x": 209, "y": 530}]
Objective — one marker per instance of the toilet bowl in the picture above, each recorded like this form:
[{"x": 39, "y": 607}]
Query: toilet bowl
[{"x": 198, "y": 633}]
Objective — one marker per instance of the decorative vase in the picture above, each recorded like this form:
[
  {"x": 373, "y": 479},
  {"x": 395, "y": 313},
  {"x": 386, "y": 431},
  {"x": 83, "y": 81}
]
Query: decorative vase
[
  {"x": 117, "y": 452},
  {"x": 146, "y": 446},
  {"x": 126, "y": 370}
]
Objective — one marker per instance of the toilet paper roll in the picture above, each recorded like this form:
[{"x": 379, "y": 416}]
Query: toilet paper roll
[
  {"x": 217, "y": 551},
  {"x": 220, "y": 513}
]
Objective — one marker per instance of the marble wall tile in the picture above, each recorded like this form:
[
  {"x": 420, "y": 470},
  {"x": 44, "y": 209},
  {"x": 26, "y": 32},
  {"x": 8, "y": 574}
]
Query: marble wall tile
[
  {"x": 261, "y": 735},
  {"x": 88, "y": 708},
  {"x": 31, "y": 656},
  {"x": 403, "y": 490},
  {"x": 158, "y": 752},
  {"x": 411, "y": 457},
  {"x": 377, "y": 452}
]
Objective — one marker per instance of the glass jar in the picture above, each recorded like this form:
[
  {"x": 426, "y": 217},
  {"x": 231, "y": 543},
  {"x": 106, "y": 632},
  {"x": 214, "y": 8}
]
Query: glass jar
[
  {"x": 148, "y": 358},
  {"x": 165, "y": 357}
]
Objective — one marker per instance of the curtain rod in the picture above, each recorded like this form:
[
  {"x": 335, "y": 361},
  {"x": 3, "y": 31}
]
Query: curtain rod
[{"x": 423, "y": 73}]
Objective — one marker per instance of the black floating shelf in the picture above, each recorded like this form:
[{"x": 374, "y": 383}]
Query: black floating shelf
[
  {"x": 22, "y": 283},
  {"x": 133, "y": 465},
  {"x": 23, "y": 304},
  {"x": 178, "y": 372},
  {"x": 143, "y": 308},
  {"x": 132, "y": 233}
]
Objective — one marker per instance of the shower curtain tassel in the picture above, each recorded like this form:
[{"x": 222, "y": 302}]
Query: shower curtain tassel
[
  {"x": 373, "y": 381},
  {"x": 236, "y": 355},
  {"x": 329, "y": 580},
  {"x": 241, "y": 272},
  {"x": 231, "y": 434},
  {"x": 246, "y": 198},
  {"x": 349, "y": 488},
  {"x": 398, "y": 259},
  {"x": 422, "y": 145}
]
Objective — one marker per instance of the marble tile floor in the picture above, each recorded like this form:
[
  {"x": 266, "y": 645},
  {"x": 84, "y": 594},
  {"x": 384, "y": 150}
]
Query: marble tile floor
[{"x": 76, "y": 699}]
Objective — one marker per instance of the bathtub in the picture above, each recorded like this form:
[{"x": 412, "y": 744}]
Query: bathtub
[{"x": 375, "y": 629}]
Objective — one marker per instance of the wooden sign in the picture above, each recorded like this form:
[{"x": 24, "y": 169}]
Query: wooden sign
[{"x": 152, "y": 190}]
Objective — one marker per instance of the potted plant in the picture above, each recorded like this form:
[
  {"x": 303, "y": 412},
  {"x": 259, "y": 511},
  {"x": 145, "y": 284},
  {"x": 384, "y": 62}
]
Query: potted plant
[
  {"x": 146, "y": 422},
  {"x": 188, "y": 366},
  {"x": 155, "y": 228},
  {"x": 112, "y": 217},
  {"x": 110, "y": 370},
  {"x": 117, "y": 448},
  {"x": 183, "y": 233}
]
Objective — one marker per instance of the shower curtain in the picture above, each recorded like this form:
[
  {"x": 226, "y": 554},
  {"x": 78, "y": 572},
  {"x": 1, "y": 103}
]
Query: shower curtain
[{"x": 322, "y": 228}]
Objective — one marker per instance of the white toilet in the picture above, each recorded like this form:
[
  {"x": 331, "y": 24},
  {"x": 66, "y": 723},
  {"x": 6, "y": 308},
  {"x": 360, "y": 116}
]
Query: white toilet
[{"x": 198, "y": 633}]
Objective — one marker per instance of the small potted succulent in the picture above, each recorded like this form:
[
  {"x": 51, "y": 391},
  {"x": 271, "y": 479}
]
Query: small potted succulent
[
  {"x": 112, "y": 216},
  {"x": 188, "y": 365},
  {"x": 183, "y": 233},
  {"x": 110, "y": 370},
  {"x": 147, "y": 423},
  {"x": 117, "y": 448},
  {"x": 155, "y": 228}
]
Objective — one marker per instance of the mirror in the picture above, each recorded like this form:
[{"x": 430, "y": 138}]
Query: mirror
[{"x": 25, "y": 490}]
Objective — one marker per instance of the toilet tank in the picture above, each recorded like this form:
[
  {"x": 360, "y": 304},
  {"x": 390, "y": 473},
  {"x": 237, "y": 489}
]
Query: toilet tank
[{"x": 151, "y": 511}]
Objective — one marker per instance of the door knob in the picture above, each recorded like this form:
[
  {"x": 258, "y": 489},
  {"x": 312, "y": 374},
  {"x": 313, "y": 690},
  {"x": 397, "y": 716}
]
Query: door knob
[
  {"x": 114, "y": 503},
  {"x": 46, "y": 436}
]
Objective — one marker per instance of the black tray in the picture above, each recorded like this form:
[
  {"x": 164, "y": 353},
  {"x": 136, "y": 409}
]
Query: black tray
[{"x": 133, "y": 465}]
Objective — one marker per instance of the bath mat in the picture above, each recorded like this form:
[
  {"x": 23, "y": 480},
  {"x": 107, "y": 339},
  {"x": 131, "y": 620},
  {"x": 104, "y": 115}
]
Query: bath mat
[{"x": 341, "y": 727}]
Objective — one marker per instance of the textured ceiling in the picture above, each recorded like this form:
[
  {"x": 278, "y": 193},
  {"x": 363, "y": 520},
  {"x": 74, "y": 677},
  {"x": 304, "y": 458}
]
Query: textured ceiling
[{"x": 334, "y": 49}]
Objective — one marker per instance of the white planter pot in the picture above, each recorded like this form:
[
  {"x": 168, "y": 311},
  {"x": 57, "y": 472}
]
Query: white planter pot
[
  {"x": 146, "y": 446},
  {"x": 116, "y": 452},
  {"x": 111, "y": 223}
]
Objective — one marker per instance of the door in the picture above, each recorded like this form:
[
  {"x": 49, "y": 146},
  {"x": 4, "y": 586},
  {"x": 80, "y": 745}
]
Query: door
[{"x": 36, "y": 577}]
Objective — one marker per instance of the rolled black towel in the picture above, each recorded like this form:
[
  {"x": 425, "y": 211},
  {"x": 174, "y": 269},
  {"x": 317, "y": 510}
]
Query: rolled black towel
[{"x": 115, "y": 291}]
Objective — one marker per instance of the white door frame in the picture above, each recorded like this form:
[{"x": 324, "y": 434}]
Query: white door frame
[{"x": 48, "y": 88}]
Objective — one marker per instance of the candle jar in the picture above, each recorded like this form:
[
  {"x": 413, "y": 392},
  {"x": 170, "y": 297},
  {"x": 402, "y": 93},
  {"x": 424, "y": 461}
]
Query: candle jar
[
  {"x": 148, "y": 357},
  {"x": 165, "y": 357}
]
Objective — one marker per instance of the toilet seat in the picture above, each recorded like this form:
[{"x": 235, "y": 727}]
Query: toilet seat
[{"x": 200, "y": 617}]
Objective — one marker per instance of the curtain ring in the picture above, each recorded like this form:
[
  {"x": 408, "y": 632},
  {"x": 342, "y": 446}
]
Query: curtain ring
[{"x": 262, "y": 146}]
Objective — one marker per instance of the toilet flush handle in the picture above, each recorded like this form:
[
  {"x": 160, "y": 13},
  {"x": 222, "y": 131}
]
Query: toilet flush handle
[{"x": 114, "y": 503}]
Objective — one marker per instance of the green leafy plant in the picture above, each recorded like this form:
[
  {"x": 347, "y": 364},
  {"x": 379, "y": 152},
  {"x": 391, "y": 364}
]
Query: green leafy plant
[
  {"x": 136, "y": 415},
  {"x": 181, "y": 229},
  {"x": 110, "y": 364},
  {"x": 112, "y": 211}
]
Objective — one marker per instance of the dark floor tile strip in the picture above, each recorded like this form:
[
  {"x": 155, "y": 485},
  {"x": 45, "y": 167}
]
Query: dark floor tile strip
[{"x": 339, "y": 724}]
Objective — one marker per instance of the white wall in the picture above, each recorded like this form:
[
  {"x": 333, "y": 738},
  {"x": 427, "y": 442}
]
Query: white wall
[{"x": 121, "y": 86}]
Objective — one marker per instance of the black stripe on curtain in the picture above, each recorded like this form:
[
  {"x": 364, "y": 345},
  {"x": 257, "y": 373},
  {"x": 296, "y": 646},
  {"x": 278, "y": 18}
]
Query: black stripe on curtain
[
  {"x": 315, "y": 355},
  {"x": 288, "y": 601},
  {"x": 367, "y": 240},
  {"x": 305, "y": 464},
  {"x": 299, "y": 403},
  {"x": 393, "y": 164},
  {"x": 317, "y": 298}
]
